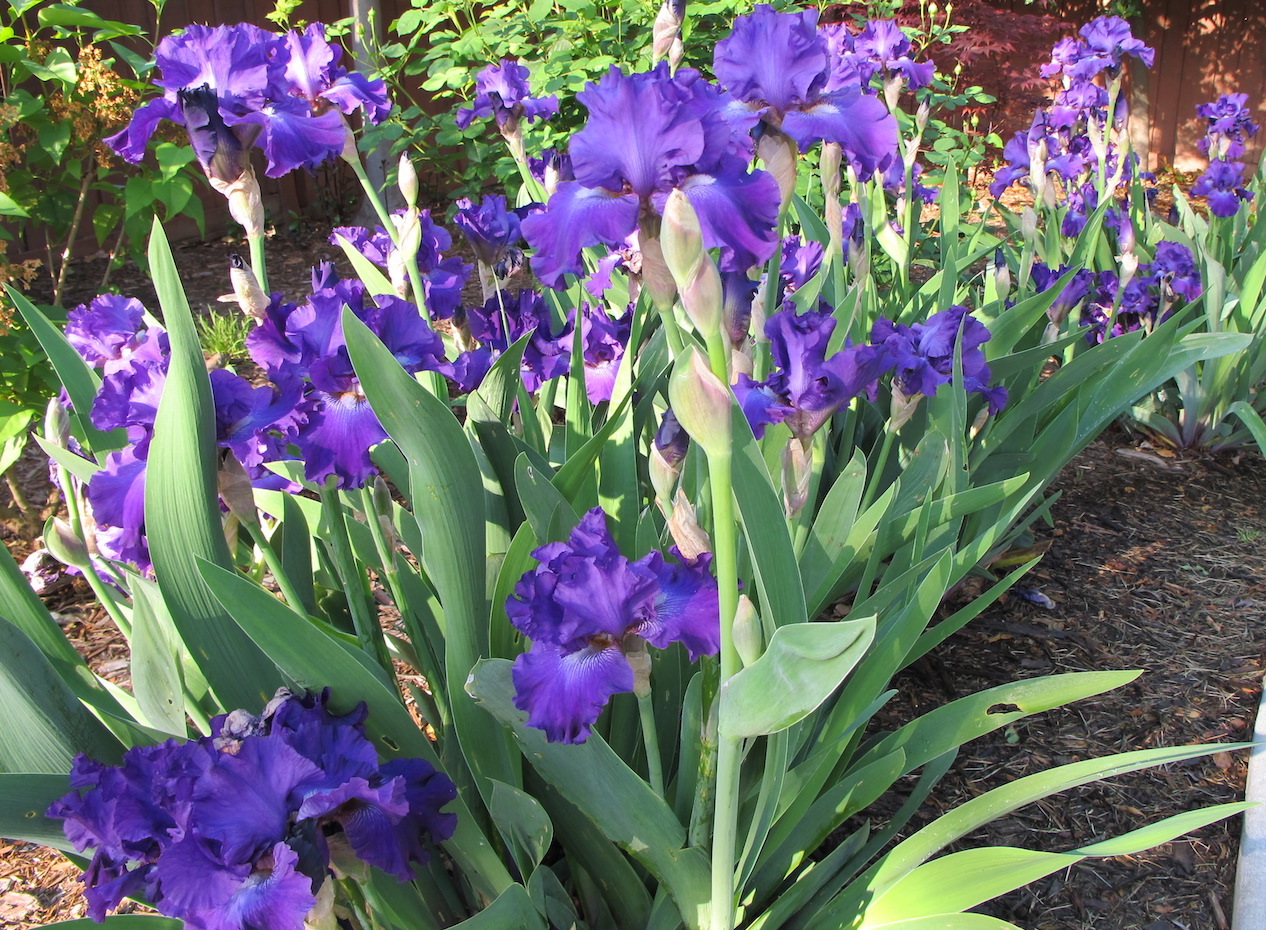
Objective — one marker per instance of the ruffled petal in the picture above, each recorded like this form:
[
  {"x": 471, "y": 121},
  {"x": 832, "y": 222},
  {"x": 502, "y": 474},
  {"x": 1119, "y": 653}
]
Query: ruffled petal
[
  {"x": 577, "y": 217},
  {"x": 563, "y": 694}
]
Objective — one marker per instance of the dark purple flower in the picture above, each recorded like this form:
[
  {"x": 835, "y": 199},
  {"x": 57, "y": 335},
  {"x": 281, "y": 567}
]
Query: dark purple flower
[
  {"x": 604, "y": 341},
  {"x": 775, "y": 67},
  {"x": 235, "y": 86},
  {"x": 1174, "y": 266},
  {"x": 581, "y": 605},
  {"x": 800, "y": 262},
  {"x": 924, "y": 354},
  {"x": 107, "y": 329},
  {"x": 760, "y": 404},
  {"x": 1230, "y": 126},
  {"x": 490, "y": 228},
  {"x": 116, "y": 494},
  {"x": 1105, "y": 41},
  {"x": 502, "y": 91},
  {"x": 232, "y": 831},
  {"x": 625, "y": 168},
  {"x": 883, "y": 46},
  {"x": 499, "y": 323},
  {"x": 1074, "y": 292},
  {"x": 812, "y": 385},
  {"x": 671, "y": 441},
  {"x": 1221, "y": 184}
]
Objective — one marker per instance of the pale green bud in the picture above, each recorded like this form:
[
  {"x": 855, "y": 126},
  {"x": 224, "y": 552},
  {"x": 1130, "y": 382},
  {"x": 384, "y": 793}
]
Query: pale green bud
[
  {"x": 749, "y": 639},
  {"x": 701, "y": 402},
  {"x": 62, "y": 543},
  {"x": 57, "y": 424},
  {"x": 246, "y": 206},
  {"x": 407, "y": 180},
  {"x": 779, "y": 154},
  {"x": 698, "y": 281}
]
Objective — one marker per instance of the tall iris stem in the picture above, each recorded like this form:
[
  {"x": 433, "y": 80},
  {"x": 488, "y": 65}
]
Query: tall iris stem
[
  {"x": 258, "y": 262},
  {"x": 877, "y": 470},
  {"x": 650, "y": 737},
  {"x": 725, "y": 544},
  {"x": 275, "y": 566},
  {"x": 384, "y": 217},
  {"x": 367, "y": 632}
]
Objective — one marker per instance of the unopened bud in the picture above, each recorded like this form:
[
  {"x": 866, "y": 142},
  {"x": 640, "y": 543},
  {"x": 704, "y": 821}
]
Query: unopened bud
[
  {"x": 1125, "y": 235},
  {"x": 902, "y": 408},
  {"x": 236, "y": 490},
  {"x": 656, "y": 277},
  {"x": 922, "y": 115},
  {"x": 1129, "y": 267},
  {"x": 691, "y": 538},
  {"x": 666, "y": 33},
  {"x": 1028, "y": 226},
  {"x": 701, "y": 402},
  {"x": 56, "y": 424},
  {"x": 247, "y": 293},
  {"x": 692, "y": 268},
  {"x": 322, "y": 916},
  {"x": 407, "y": 180},
  {"x": 639, "y": 660},
  {"x": 749, "y": 639},
  {"x": 62, "y": 543},
  {"x": 1001, "y": 274},
  {"x": 797, "y": 471},
  {"x": 779, "y": 154},
  {"x": 830, "y": 165}
]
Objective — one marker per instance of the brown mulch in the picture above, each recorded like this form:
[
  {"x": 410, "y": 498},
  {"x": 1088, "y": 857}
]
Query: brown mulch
[{"x": 1156, "y": 562}]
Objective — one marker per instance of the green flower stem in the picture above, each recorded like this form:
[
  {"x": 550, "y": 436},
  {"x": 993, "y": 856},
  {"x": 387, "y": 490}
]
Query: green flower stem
[
  {"x": 384, "y": 217},
  {"x": 650, "y": 736},
  {"x": 387, "y": 557},
  {"x": 258, "y": 263},
  {"x": 725, "y": 821},
  {"x": 803, "y": 523},
  {"x": 877, "y": 470},
  {"x": 773, "y": 289},
  {"x": 273, "y": 561},
  {"x": 367, "y": 632},
  {"x": 672, "y": 332}
]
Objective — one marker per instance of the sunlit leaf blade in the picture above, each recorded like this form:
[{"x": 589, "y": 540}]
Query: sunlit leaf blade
[
  {"x": 155, "y": 662},
  {"x": 447, "y": 499},
  {"x": 513, "y": 910},
  {"x": 23, "y": 801},
  {"x": 591, "y": 776},
  {"x": 801, "y": 666},
  {"x": 45, "y": 724},
  {"x": 123, "y": 922},
  {"x": 182, "y": 511}
]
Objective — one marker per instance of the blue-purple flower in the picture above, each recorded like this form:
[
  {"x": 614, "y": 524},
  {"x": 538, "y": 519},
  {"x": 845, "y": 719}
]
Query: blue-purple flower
[
  {"x": 775, "y": 68},
  {"x": 625, "y": 168},
  {"x": 1104, "y": 43},
  {"x": 1230, "y": 126},
  {"x": 502, "y": 92},
  {"x": 236, "y": 86},
  {"x": 584, "y": 607},
  {"x": 923, "y": 354},
  {"x": 1222, "y": 185},
  {"x": 237, "y": 830}
]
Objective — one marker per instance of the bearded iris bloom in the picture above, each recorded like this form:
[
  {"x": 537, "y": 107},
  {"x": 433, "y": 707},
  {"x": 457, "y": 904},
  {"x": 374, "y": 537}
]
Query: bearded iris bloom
[
  {"x": 625, "y": 168},
  {"x": 584, "y": 607},
  {"x": 776, "y": 68},
  {"x": 238, "y": 829},
  {"x": 923, "y": 354},
  {"x": 236, "y": 86}
]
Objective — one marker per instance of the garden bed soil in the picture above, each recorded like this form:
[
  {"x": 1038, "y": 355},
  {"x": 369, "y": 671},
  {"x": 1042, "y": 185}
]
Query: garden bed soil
[{"x": 1156, "y": 562}]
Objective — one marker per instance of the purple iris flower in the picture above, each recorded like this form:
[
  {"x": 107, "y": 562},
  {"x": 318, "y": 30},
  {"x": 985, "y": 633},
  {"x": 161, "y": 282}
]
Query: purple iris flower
[
  {"x": 924, "y": 354},
  {"x": 1135, "y": 306},
  {"x": 502, "y": 91},
  {"x": 604, "y": 341},
  {"x": 625, "y": 168},
  {"x": 775, "y": 67},
  {"x": 499, "y": 323},
  {"x": 1074, "y": 292},
  {"x": 234, "y": 830},
  {"x": 335, "y": 427},
  {"x": 801, "y": 260},
  {"x": 490, "y": 228},
  {"x": 442, "y": 278},
  {"x": 1105, "y": 41},
  {"x": 116, "y": 494},
  {"x": 107, "y": 329},
  {"x": 235, "y": 86},
  {"x": 1222, "y": 184},
  {"x": 583, "y": 606},
  {"x": 1230, "y": 126},
  {"x": 805, "y": 379},
  {"x": 882, "y": 46},
  {"x": 1173, "y": 265}
]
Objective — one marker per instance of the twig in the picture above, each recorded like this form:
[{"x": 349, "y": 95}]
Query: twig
[{"x": 74, "y": 228}]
